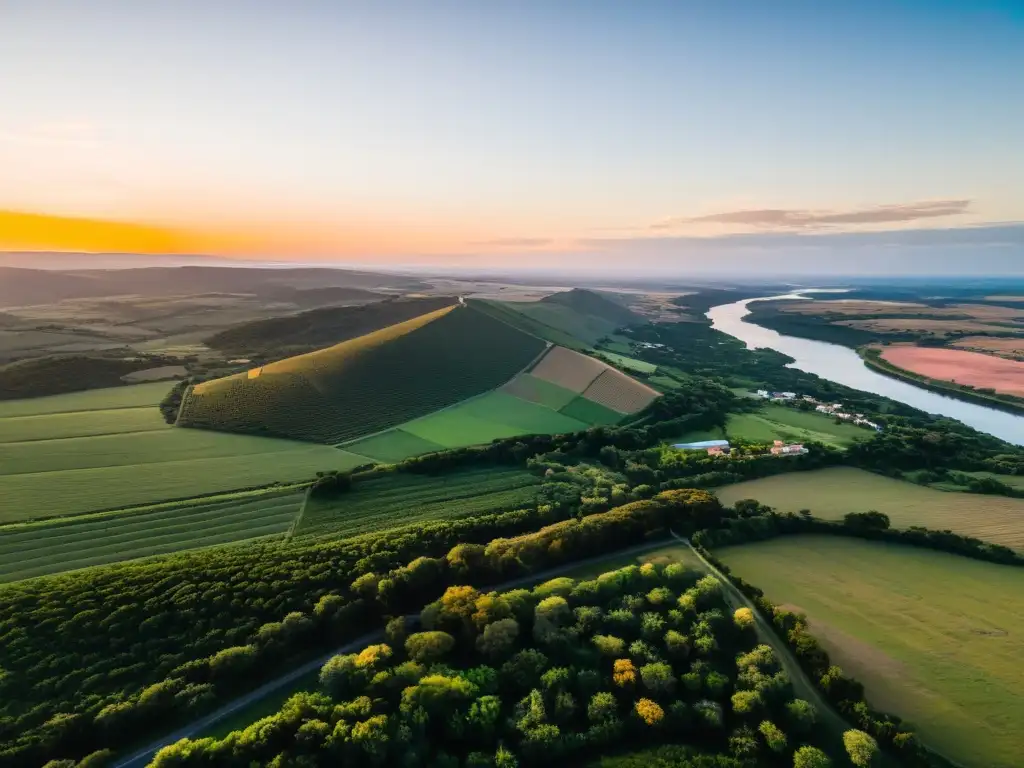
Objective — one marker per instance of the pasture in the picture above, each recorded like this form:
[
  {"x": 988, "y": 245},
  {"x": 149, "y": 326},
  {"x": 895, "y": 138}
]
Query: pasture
[
  {"x": 110, "y": 449},
  {"x": 485, "y": 418},
  {"x": 935, "y": 638},
  {"x": 777, "y": 422},
  {"x": 833, "y": 492},
  {"x": 65, "y": 544},
  {"x": 398, "y": 500},
  {"x": 630, "y": 363}
]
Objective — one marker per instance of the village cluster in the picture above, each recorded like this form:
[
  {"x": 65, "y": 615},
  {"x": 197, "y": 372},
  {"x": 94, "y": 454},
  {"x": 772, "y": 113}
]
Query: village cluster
[{"x": 831, "y": 409}]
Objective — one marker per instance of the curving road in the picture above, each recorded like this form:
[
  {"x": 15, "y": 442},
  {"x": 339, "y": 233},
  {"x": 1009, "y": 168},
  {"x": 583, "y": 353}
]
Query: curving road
[{"x": 142, "y": 757}]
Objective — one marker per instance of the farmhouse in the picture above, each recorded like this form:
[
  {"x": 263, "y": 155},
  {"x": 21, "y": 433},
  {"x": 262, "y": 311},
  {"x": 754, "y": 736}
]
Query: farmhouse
[{"x": 781, "y": 449}]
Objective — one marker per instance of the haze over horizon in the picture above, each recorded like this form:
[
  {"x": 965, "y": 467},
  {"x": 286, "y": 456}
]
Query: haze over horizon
[{"x": 672, "y": 138}]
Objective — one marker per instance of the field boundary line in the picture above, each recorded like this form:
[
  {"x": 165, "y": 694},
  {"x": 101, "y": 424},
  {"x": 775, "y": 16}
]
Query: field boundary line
[
  {"x": 181, "y": 404},
  {"x": 298, "y": 516}
]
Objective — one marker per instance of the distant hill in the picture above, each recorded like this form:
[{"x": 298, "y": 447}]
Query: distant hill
[
  {"x": 280, "y": 337},
  {"x": 592, "y": 303},
  {"x": 35, "y": 286},
  {"x": 369, "y": 383},
  {"x": 575, "y": 319},
  {"x": 59, "y": 374}
]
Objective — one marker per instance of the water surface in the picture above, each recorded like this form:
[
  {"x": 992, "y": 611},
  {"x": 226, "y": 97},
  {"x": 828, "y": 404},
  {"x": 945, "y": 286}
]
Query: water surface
[{"x": 844, "y": 366}]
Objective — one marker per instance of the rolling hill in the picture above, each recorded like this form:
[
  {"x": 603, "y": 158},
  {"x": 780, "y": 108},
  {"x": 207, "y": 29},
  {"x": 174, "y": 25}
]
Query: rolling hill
[
  {"x": 289, "y": 335},
  {"x": 576, "y": 319},
  {"x": 369, "y": 383}
]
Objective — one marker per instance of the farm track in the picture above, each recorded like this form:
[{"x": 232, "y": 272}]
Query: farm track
[
  {"x": 142, "y": 757},
  {"x": 803, "y": 687}
]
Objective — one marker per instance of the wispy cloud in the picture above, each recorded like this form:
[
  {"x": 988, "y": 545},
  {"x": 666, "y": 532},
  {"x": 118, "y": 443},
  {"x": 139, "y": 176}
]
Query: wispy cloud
[{"x": 804, "y": 218}]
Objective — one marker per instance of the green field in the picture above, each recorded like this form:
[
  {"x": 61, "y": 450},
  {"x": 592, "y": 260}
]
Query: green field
[
  {"x": 58, "y": 457},
  {"x": 777, "y": 422},
  {"x": 537, "y": 390},
  {"x": 39, "y": 549},
  {"x": 370, "y": 383},
  {"x": 400, "y": 499},
  {"x": 491, "y": 416},
  {"x": 629, "y": 363},
  {"x": 935, "y": 638},
  {"x": 590, "y": 412},
  {"x": 698, "y": 435},
  {"x": 133, "y": 396},
  {"x": 392, "y": 446},
  {"x": 831, "y": 493}
]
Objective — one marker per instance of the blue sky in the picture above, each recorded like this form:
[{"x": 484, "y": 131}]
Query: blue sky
[{"x": 418, "y": 130}]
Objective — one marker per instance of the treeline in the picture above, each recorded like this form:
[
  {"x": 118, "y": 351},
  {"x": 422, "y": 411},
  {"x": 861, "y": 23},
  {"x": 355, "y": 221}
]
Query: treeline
[
  {"x": 97, "y": 659},
  {"x": 843, "y": 692},
  {"x": 60, "y": 374},
  {"x": 171, "y": 402},
  {"x": 565, "y": 672},
  {"x": 755, "y": 522}
]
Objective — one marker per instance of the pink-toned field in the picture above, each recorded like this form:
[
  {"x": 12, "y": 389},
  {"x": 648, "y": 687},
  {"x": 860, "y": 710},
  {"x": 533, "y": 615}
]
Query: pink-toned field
[{"x": 978, "y": 370}]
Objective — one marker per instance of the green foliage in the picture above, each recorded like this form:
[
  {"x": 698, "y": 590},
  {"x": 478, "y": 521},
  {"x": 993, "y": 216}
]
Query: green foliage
[
  {"x": 861, "y": 747},
  {"x": 529, "y": 713}
]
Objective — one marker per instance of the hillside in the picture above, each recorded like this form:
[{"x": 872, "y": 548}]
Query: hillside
[
  {"x": 369, "y": 383},
  {"x": 582, "y": 315},
  {"x": 280, "y": 337},
  {"x": 20, "y": 286}
]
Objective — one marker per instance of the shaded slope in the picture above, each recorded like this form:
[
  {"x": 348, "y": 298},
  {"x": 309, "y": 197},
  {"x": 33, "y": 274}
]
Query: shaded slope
[
  {"x": 369, "y": 383},
  {"x": 593, "y": 304},
  {"x": 576, "y": 319},
  {"x": 295, "y": 334}
]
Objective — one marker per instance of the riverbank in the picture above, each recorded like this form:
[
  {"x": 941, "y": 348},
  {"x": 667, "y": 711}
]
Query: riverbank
[
  {"x": 843, "y": 365},
  {"x": 872, "y": 357}
]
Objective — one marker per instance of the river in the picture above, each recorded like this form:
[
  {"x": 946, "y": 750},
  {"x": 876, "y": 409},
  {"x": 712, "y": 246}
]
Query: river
[{"x": 843, "y": 366}]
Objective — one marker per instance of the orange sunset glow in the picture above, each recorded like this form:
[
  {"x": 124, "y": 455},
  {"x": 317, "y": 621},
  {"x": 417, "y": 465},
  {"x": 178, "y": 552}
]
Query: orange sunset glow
[{"x": 24, "y": 231}]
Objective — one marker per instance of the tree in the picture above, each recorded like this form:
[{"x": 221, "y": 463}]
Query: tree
[
  {"x": 649, "y": 712},
  {"x": 498, "y": 638},
  {"x": 773, "y": 736},
  {"x": 861, "y": 747},
  {"x": 746, "y": 702},
  {"x": 522, "y": 672},
  {"x": 602, "y": 707},
  {"x": 743, "y": 618},
  {"x": 609, "y": 645},
  {"x": 428, "y": 647},
  {"x": 658, "y": 678},
  {"x": 677, "y": 644},
  {"x": 505, "y": 759},
  {"x": 811, "y": 757},
  {"x": 624, "y": 673},
  {"x": 801, "y": 716},
  {"x": 397, "y": 630}
]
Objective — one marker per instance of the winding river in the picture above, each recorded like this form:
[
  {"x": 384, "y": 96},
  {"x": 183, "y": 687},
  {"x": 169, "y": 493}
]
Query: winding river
[{"x": 843, "y": 366}]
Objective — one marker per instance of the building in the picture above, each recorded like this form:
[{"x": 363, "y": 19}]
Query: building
[
  {"x": 763, "y": 393},
  {"x": 781, "y": 449},
  {"x": 704, "y": 445}
]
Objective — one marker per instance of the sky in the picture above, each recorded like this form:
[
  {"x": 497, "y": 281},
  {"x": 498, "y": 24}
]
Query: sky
[{"x": 588, "y": 134}]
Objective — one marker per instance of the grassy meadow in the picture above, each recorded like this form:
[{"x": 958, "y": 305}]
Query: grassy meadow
[
  {"x": 39, "y": 549},
  {"x": 936, "y": 638},
  {"x": 778, "y": 422},
  {"x": 110, "y": 449},
  {"x": 396, "y": 500},
  {"x": 831, "y": 493}
]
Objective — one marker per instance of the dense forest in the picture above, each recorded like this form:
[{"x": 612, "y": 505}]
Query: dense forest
[
  {"x": 59, "y": 374},
  {"x": 562, "y": 672}
]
